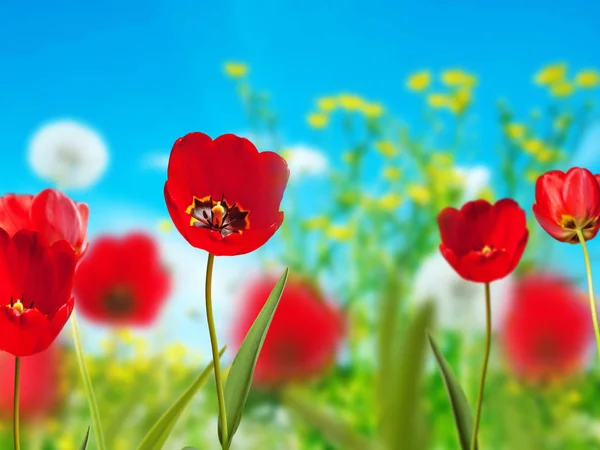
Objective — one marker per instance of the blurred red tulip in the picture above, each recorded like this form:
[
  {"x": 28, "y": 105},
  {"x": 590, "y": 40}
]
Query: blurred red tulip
[
  {"x": 483, "y": 242},
  {"x": 40, "y": 382},
  {"x": 566, "y": 202},
  {"x": 51, "y": 213},
  {"x": 547, "y": 332},
  {"x": 35, "y": 291},
  {"x": 122, "y": 281},
  {"x": 303, "y": 337},
  {"x": 223, "y": 195}
]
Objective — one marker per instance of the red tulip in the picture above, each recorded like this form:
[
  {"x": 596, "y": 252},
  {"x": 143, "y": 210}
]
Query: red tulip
[
  {"x": 40, "y": 379},
  {"x": 547, "y": 332},
  {"x": 567, "y": 202},
  {"x": 35, "y": 288},
  {"x": 303, "y": 337},
  {"x": 51, "y": 213},
  {"x": 223, "y": 195},
  {"x": 122, "y": 281},
  {"x": 483, "y": 242}
]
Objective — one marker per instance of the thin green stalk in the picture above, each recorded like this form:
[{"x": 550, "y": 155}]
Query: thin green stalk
[
  {"x": 87, "y": 385},
  {"x": 16, "y": 404},
  {"x": 215, "y": 351},
  {"x": 588, "y": 269},
  {"x": 486, "y": 357}
]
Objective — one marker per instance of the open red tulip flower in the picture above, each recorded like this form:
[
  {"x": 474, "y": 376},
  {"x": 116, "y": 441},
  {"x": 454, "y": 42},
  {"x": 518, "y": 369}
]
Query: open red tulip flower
[
  {"x": 303, "y": 337},
  {"x": 547, "y": 332},
  {"x": 40, "y": 378},
  {"x": 483, "y": 242},
  {"x": 223, "y": 195},
  {"x": 568, "y": 203},
  {"x": 51, "y": 213},
  {"x": 36, "y": 279},
  {"x": 122, "y": 281}
]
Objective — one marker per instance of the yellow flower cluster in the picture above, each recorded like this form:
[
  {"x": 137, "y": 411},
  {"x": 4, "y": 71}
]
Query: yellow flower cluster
[
  {"x": 235, "y": 69},
  {"x": 458, "y": 94},
  {"x": 345, "y": 102},
  {"x": 540, "y": 151},
  {"x": 555, "y": 78}
]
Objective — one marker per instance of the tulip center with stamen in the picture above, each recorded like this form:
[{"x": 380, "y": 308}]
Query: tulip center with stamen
[
  {"x": 18, "y": 306},
  {"x": 218, "y": 215},
  {"x": 119, "y": 301}
]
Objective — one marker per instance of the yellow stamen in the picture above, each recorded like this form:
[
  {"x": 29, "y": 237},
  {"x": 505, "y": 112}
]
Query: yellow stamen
[
  {"x": 486, "y": 250},
  {"x": 18, "y": 306},
  {"x": 218, "y": 212}
]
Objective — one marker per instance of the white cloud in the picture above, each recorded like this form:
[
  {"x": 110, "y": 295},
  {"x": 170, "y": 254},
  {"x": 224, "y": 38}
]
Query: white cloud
[
  {"x": 305, "y": 160},
  {"x": 69, "y": 153}
]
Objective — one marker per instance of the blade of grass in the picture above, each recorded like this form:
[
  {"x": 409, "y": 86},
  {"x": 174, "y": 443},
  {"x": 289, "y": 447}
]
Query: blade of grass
[{"x": 87, "y": 385}]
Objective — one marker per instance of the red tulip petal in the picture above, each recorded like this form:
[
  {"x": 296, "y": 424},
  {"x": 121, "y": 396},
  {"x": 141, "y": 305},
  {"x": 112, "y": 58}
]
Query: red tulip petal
[
  {"x": 550, "y": 226},
  {"x": 55, "y": 326},
  {"x": 21, "y": 333},
  {"x": 549, "y": 195},
  {"x": 581, "y": 193},
  {"x": 190, "y": 164},
  {"x": 508, "y": 222},
  {"x": 14, "y": 212},
  {"x": 234, "y": 244}
]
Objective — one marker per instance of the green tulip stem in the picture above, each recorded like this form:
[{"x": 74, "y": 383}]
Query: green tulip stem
[
  {"x": 486, "y": 357},
  {"x": 588, "y": 269},
  {"x": 215, "y": 350}
]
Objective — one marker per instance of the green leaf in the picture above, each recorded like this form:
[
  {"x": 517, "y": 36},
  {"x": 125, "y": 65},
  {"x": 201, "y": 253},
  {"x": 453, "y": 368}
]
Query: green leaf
[
  {"x": 160, "y": 431},
  {"x": 240, "y": 375},
  {"x": 403, "y": 416},
  {"x": 87, "y": 385},
  {"x": 84, "y": 444},
  {"x": 335, "y": 431},
  {"x": 461, "y": 410}
]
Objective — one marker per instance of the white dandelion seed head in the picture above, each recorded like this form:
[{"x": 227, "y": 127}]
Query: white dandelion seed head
[{"x": 68, "y": 153}]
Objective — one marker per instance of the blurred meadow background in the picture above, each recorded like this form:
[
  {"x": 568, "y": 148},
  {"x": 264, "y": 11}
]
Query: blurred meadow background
[{"x": 386, "y": 112}]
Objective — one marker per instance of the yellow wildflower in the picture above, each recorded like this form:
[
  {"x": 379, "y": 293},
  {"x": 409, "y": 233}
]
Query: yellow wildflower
[
  {"x": 487, "y": 193},
  {"x": 327, "y": 104},
  {"x": 339, "y": 232},
  {"x": 419, "y": 81},
  {"x": 165, "y": 225},
  {"x": 458, "y": 78},
  {"x": 533, "y": 146},
  {"x": 66, "y": 443},
  {"x": 392, "y": 173},
  {"x": 419, "y": 194},
  {"x": 125, "y": 335},
  {"x": 437, "y": 100},
  {"x": 350, "y": 102},
  {"x": 515, "y": 131},
  {"x": 236, "y": 69},
  {"x": 386, "y": 148},
  {"x": 551, "y": 74},
  {"x": 317, "y": 120},
  {"x": 460, "y": 101},
  {"x": 588, "y": 78},
  {"x": 316, "y": 222},
  {"x": 562, "y": 89},
  {"x": 372, "y": 110},
  {"x": 390, "y": 201}
]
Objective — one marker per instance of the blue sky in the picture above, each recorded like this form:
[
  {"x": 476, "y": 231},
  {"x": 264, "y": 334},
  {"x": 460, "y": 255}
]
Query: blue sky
[{"x": 145, "y": 73}]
